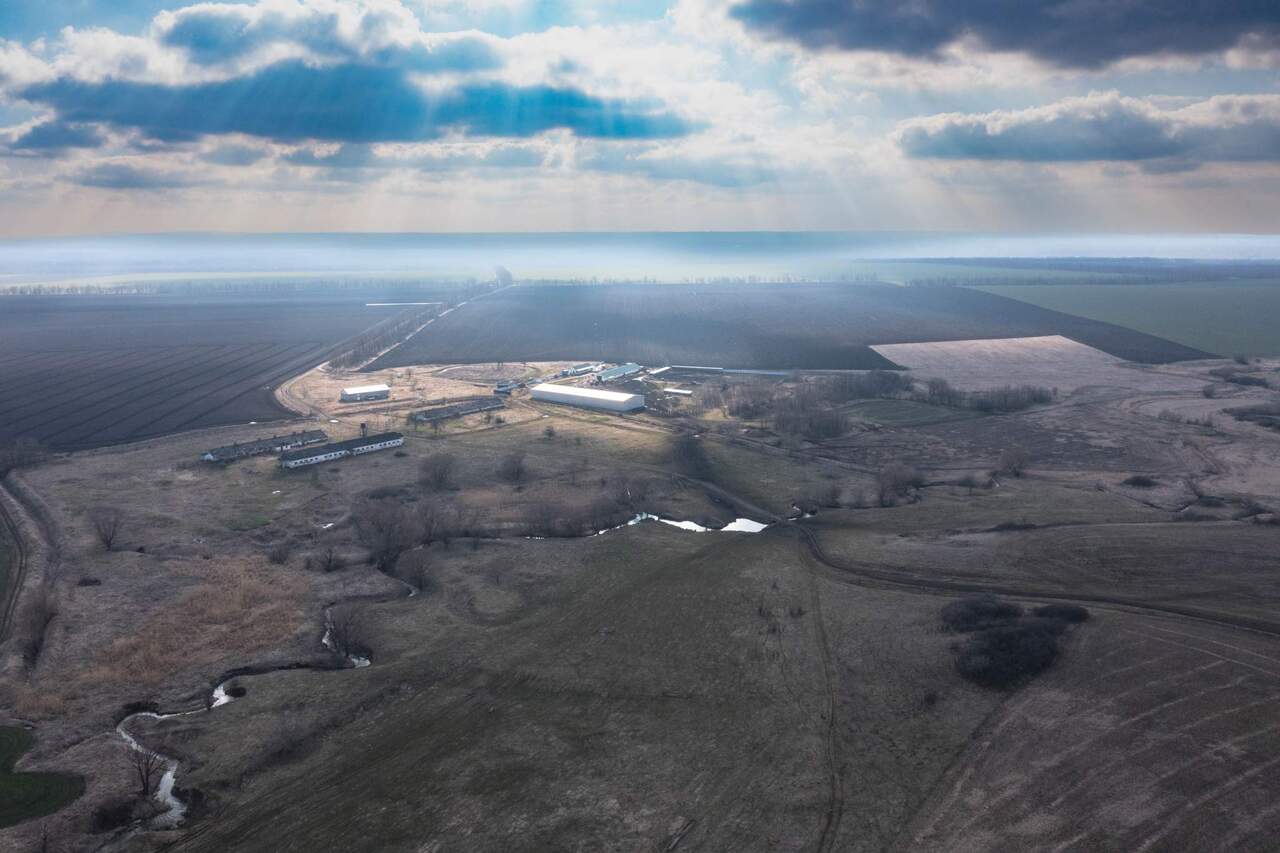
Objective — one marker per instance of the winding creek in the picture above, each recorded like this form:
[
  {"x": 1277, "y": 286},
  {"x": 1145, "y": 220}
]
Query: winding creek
[{"x": 224, "y": 692}]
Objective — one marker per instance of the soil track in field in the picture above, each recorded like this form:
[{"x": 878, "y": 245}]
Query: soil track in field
[
  {"x": 814, "y": 326},
  {"x": 88, "y": 371}
]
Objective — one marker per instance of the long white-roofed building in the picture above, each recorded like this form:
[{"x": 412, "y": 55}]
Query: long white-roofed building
[
  {"x": 359, "y": 393},
  {"x": 588, "y": 398}
]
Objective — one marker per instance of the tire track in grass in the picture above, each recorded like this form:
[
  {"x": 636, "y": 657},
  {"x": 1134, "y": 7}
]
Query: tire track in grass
[{"x": 1173, "y": 820}]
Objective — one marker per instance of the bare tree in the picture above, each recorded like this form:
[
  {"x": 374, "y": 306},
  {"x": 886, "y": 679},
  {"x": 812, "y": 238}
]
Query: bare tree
[
  {"x": 346, "y": 633},
  {"x": 106, "y": 521},
  {"x": 331, "y": 560},
  {"x": 148, "y": 767},
  {"x": 387, "y": 529},
  {"x": 415, "y": 569},
  {"x": 436, "y": 471},
  {"x": 512, "y": 468},
  {"x": 894, "y": 481},
  {"x": 1015, "y": 460}
]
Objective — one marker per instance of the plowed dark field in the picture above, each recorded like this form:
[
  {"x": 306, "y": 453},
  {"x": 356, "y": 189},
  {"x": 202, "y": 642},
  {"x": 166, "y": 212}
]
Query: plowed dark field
[
  {"x": 814, "y": 326},
  {"x": 81, "y": 372}
]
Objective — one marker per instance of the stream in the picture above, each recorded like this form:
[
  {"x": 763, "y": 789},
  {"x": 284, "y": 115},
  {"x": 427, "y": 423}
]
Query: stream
[{"x": 223, "y": 694}]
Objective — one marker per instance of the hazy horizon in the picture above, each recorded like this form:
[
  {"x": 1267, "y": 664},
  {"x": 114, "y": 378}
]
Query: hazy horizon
[{"x": 580, "y": 255}]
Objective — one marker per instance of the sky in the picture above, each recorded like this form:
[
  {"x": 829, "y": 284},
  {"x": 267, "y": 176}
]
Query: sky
[{"x": 1083, "y": 116}]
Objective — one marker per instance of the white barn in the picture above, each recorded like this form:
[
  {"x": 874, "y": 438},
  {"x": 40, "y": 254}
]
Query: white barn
[
  {"x": 360, "y": 393},
  {"x": 588, "y": 398}
]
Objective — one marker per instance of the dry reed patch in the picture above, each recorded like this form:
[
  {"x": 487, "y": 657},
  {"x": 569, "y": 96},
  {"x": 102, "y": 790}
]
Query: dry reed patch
[{"x": 237, "y": 610}]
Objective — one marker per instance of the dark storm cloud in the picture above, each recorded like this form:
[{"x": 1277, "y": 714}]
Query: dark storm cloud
[
  {"x": 1106, "y": 128},
  {"x": 292, "y": 101},
  {"x": 54, "y": 136},
  {"x": 120, "y": 176},
  {"x": 1066, "y": 33}
]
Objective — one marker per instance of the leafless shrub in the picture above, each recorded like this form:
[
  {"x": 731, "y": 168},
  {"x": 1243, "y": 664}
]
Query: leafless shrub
[
  {"x": 279, "y": 553},
  {"x": 33, "y": 625},
  {"x": 106, "y": 522},
  {"x": 1015, "y": 460},
  {"x": 437, "y": 470},
  {"x": 512, "y": 467}
]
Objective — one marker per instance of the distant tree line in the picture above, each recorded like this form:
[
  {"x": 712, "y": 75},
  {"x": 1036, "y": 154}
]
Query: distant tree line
[{"x": 382, "y": 336}]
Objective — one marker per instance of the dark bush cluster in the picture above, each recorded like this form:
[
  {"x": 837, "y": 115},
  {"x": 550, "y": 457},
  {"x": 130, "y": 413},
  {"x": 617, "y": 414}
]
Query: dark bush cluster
[
  {"x": 1062, "y": 612},
  {"x": 1004, "y": 647},
  {"x": 1236, "y": 377},
  {"x": 1009, "y": 654},
  {"x": 978, "y": 611},
  {"x": 1265, "y": 415},
  {"x": 1007, "y": 398}
]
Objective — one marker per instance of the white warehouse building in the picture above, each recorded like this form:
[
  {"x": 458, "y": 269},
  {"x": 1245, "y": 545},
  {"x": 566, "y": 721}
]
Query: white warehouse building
[
  {"x": 365, "y": 392},
  {"x": 588, "y": 398}
]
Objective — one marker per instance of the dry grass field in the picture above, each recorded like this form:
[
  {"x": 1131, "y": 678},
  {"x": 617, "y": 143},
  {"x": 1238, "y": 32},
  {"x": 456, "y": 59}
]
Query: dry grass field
[{"x": 658, "y": 688}]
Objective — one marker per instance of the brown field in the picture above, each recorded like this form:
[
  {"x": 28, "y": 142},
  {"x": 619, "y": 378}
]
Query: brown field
[{"x": 655, "y": 688}]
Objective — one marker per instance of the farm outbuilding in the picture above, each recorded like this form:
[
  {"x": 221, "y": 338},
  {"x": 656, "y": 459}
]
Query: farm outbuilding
[
  {"x": 360, "y": 393},
  {"x": 339, "y": 449},
  {"x": 589, "y": 398},
  {"x": 620, "y": 372},
  {"x": 274, "y": 444},
  {"x": 457, "y": 410}
]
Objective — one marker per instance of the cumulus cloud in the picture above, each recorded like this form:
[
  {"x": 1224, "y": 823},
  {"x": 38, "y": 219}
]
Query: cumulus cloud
[
  {"x": 292, "y": 101},
  {"x": 376, "y": 31},
  {"x": 1063, "y": 33},
  {"x": 1106, "y": 127}
]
